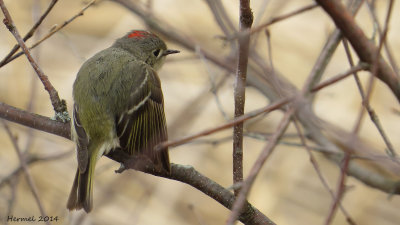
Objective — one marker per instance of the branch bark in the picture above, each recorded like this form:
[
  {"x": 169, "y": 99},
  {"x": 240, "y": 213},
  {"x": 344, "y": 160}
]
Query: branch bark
[
  {"x": 364, "y": 48},
  {"x": 35, "y": 121},
  {"x": 30, "y": 32},
  {"x": 246, "y": 20},
  {"x": 58, "y": 105},
  {"x": 317, "y": 130},
  {"x": 188, "y": 175}
]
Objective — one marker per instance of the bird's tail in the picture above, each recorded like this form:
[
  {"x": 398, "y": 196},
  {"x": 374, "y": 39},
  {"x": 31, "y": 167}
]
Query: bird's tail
[{"x": 81, "y": 195}]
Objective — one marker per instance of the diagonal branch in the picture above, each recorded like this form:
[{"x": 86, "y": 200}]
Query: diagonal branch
[
  {"x": 185, "y": 174},
  {"x": 26, "y": 170},
  {"x": 58, "y": 105},
  {"x": 239, "y": 205},
  {"x": 30, "y": 32},
  {"x": 51, "y": 33},
  {"x": 188, "y": 175},
  {"x": 364, "y": 48}
]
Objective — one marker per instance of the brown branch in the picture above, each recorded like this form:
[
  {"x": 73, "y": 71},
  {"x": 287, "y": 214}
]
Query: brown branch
[
  {"x": 272, "y": 21},
  {"x": 364, "y": 48},
  {"x": 340, "y": 190},
  {"x": 30, "y": 160},
  {"x": 239, "y": 204},
  {"x": 53, "y": 31},
  {"x": 34, "y": 121},
  {"x": 181, "y": 173},
  {"x": 339, "y": 77},
  {"x": 25, "y": 168},
  {"x": 221, "y": 17},
  {"x": 241, "y": 119},
  {"x": 188, "y": 175},
  {"x": 282, "y": 17},
  {"x": 318, "y": 170},
  {"x": 327, "y": 52},
  {"x": 58, "y": 105},
  {"x": 257, "y": 78},
  {"x": 246, "y": 20},
  {"x": 357, "y": 125},
  {"x": 30, "y": 33}
]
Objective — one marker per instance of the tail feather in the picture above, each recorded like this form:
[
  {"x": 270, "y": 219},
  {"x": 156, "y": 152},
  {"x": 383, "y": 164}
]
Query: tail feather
[{"x": 81, "y": 195}]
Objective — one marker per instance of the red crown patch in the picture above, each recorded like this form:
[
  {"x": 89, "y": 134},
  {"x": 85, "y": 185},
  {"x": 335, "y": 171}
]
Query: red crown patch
[{"x": 139, "y": 34}]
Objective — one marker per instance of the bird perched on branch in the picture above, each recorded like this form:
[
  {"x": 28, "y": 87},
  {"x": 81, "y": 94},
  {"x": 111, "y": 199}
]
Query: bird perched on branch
[{"x": 118, "y": 103}]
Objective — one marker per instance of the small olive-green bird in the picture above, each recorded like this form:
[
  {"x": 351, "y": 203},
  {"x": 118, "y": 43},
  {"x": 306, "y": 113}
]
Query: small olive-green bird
[{"x": 118, "y": 103}]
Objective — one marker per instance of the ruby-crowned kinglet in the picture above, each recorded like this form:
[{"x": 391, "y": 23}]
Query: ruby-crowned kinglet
[{"x": 118, "y": 104}]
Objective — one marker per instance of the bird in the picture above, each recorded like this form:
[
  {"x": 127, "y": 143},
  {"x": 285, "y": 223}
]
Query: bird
[{"x": 118, "y": 104}]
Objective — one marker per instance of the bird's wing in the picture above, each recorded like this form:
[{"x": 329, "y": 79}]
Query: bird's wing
[
  {"x": 142, "y": 125},
  {"x": 82, "y": 141}
]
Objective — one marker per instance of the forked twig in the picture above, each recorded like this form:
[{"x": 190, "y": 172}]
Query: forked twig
[
  {"x": 30, "y": 33},
  {"x": 28, "y": 175},
  {"x": 52, "y": 31}
]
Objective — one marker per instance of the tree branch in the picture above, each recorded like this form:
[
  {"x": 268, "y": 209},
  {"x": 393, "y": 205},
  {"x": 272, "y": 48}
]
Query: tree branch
[
  {"x": 240, "y": 202},
  {"x": 246, "y": 20},
  {"x": 364, "y": 48},
  {"x": 35, "y": 121},
  {"x": 30, "y": 32},
  {"x": 188, "y": 175},
  {"x": 59, "y": 106},
  {"x": 185, "y": 174},
  {"x": 51, "y": 33}
]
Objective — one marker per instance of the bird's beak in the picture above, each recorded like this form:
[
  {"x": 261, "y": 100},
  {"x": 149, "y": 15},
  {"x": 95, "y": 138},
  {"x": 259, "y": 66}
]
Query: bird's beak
[{"x": 169, "y": 51}]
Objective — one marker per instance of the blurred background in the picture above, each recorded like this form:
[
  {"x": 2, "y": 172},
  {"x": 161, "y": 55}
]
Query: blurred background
[{"x": 287, "y": 190}]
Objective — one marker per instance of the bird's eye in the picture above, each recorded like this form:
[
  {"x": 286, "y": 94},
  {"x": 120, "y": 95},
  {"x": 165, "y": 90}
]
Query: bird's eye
[{"x": 156, "y": 52}]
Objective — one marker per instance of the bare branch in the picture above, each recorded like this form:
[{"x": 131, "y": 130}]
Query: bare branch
[
  {"x": 28, "y": 175},
  {"x": 340, "y": 191},
  {"x": 339, "y": 77},
  {"x": 187, "y": 174},
  {"x": 361, "y": 44},
  {"x": 58, "y": 105},
  {"x": 35, "y": 121},
  {"x": 30, "y": 32},
  {"x": 282, "y": 17},
  {"x": 51, "y": 33},
  {"x": 237, "y": 120},
  {"x": 246, "y": 20},
  {"x": 265, "y": 153}
]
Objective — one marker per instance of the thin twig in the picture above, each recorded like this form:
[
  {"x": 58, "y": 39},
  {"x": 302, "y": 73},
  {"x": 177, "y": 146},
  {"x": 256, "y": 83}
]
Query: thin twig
[
  {"x": 58, "y": 105},
  {"x": 30, "y": 32},
  {"x": 361, "y": 114},
  {"x": 264, "y": 155},
  {"x": 282, "y": 17},
  {"x": 328, "y": 50},
  {"x": 386, "y": 43},
  {"x": 273, "y": 21},
  {"x": 332, "y": 80},
  {"x": 11, "y": 203},
  {"x": 245, "y": 22},
  {"x": 373, "y": 116},
  {"x": 214, "y": 88},
  {"x": 53, "y": 31},
  {"x": 187, "y": 174},
  {"x": 366, "y": 96},
  {"x": 365, "y": 50},
  {"x": 340, "y": 191},
  {"x": 318, "y": 170},
  {"x": 30, "y": 160},
  {"x": 241, "y": 119},
  {"x": 28, "y": 175},
  {"x": 220, "y": 16}
]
